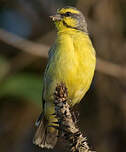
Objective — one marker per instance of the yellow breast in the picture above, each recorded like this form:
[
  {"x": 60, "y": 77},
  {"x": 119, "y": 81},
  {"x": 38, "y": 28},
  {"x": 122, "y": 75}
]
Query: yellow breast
[{"x": 72, "y": 62}]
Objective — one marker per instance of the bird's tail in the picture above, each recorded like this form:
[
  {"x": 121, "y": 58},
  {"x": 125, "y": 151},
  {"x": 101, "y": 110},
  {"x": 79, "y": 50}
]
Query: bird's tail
[{"x": 45, "y": 136}]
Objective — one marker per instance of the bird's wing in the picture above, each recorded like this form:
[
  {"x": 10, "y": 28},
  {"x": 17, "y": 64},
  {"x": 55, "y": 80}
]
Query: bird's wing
[
  {"x": 51, "y": 51},
  {"x": 50, "y": 54}
]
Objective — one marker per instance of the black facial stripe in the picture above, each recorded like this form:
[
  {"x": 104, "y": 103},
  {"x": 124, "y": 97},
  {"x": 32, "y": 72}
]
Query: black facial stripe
[
  {"x": 77, "y": 28},
  {"x": 64, "y": 23}
]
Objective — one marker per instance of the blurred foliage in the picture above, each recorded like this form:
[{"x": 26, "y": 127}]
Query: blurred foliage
[
  {"x": 4, "y": 66},
  {"x": 103, "y": 115},
  {"x": 24, "y": 85}
]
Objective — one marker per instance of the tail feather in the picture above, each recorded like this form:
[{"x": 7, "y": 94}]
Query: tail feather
[{"x": 45, "y": 137}]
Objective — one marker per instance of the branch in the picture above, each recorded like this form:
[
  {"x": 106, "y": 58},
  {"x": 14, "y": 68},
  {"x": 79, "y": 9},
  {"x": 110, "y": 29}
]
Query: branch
[
  {"x": 67, "y": 127},
  {"x": 111, "y": 69},
  {"x": 23, "y": 44},
  {"x": 41, "y": 50}
]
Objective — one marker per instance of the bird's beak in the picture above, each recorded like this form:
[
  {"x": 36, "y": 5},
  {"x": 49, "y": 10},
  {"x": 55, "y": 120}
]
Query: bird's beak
[{"x": 56, "y": 17}]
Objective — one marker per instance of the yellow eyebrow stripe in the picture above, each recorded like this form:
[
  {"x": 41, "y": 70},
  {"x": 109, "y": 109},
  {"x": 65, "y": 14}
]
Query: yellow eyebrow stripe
[{"x": 64, "y": 10}]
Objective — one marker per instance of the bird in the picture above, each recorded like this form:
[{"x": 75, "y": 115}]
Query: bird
[{"x": 72, "y": 60}]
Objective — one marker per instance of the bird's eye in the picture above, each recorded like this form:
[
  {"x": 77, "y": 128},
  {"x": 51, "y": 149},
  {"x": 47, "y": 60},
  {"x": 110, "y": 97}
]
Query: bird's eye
[{"x": 68, "y": 14}]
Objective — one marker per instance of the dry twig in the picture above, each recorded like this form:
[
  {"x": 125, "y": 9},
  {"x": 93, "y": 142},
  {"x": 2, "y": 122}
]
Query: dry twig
[
  {"x": 67, "y": 127},
  {"x": 23, "y": 44}
]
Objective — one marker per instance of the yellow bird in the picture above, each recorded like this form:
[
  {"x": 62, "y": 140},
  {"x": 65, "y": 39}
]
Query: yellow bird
[{"x": 71, "y": 61}]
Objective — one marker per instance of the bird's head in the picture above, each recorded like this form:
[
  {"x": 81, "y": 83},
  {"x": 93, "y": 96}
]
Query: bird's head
[{"x": 69, "y": 18}]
